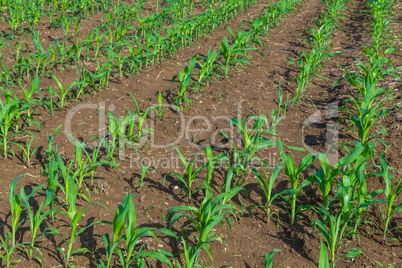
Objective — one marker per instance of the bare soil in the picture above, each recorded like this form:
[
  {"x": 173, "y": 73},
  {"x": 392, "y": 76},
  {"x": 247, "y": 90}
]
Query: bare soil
[{"x": 247, "y": 91}]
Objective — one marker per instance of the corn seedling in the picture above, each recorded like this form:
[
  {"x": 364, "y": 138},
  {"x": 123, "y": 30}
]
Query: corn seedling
[
  {"x": 27, "y": 151},
  {"x": 269, "y": 258},
  {"x": 354, "y": 197},
  {"x": 144, "y": 170},
  {"x": 51, "y": 152},
  {"x": 74, "y": 217},
  {"x": 9, "y": 114},
  {"x": 160, "y": 109},
  {"x": 9, "y": 249},
  {"x": 335, "y": 235},
  {"x": 293, "y": 174},
  {"x": 207, "y": 68},
  {"x": 235, "y": 54},
  {"x": 366, "y": 114},
  {"x": 117, "y": 129},
  {"x": 267, "y": 183},
  {"x": 381, "y": 265},
  {"x": 211, "y": 212},
  {"x": 390, "y": 195},
  {"x": 64, "y": 90},
  {"x": 126, "y": 217},
  {"x": 85, "y": 163},
  {"x": 29, "y": 95},
  {"x": 35, "y": 221},
  {"x": 190, "y": 174},
  {"x": 52, "y": 184},
  {"x": 185, "y": 80},
  {"x": 211, "y": 163},
  {"x": 17, "y": 206},
  {"x": 141, "y": 120}
]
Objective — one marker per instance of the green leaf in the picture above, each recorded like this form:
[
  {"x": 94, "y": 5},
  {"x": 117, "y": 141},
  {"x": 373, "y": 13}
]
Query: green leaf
[{"x": 323, "y": 261}]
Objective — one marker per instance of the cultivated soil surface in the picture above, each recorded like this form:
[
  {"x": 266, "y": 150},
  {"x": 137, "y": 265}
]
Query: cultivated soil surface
[{"x": 252, "y": 90}]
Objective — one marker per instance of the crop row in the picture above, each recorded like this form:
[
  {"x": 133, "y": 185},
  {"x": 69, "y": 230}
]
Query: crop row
[
  {"x": 24, "y": 16},
  {"x": 114, "y": 54},
  {"x": 318, "y": 39},
  {"x": 232, "y": 54},
  {"x": 345, "y": 198}
]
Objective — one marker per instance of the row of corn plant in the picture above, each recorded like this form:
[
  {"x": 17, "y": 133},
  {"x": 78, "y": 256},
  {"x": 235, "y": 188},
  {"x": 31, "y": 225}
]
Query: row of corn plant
[
  {"x": 372, "y": 102},
  {"x": 27, "y": 14},
  {"x": 319, "y": 42},
  {"x": 63, "y": 55},
  {"x": 231, "y": 54},
  {"x": 351, "y": 191}
]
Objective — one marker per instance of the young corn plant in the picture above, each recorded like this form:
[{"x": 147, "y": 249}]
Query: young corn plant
[
  {"x": 185, "y": 81},
  {"x": 144, "y": 170},
  {"x": 117, "y": 129},
  {"x": 354, "y": 197},
  {"x": 85, "y": 163},
  {"x": 51, "y": 152},
  {"x": 29, "y": 96},
  {"x": 141, "y": 116},
  {"x": 10, "y": 112},
  {"x": 52, "y": 184},
  {"x": 269, "y": 258},
  {"x": 212, "y": 211},
  {"x": 368, "y": 109},
  {"x": 9, "y": 249},
  {"x": 74, "y": 217},
  {"x": 190, "y": 174},
  {"x": 27, "y": 151},
  {"x": 267, "y": 183},
  {"x": 208, "y": 68},
  {"x": 252, "y": 139},
  {"x": 35, "y": 221},
  {"x": 233, "y": 55},
  {"x": 390, "y": 195},
  {"x": 325, "y": 177},
  {"x": 293, "y": 174},
  {"x": 8, "y": 242},
  {"x": 211, "y": 163},
  {"x": 64, "y": 90},
  {"x": 125, "y": 218},
  {"x": 334, "y": 235},
  {"x": 18, "y": 206},
  {"x": 94, "y": 156},
  {"x": 160, "y": 108}
]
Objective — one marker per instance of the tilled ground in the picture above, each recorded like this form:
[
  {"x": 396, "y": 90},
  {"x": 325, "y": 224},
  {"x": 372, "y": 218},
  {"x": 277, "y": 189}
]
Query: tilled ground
[{"x": 247, "y": 91}]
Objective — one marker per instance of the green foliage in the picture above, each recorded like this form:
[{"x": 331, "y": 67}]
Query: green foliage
[
  {"x": 27, "y": 151},
  {"x": 267, "y": 183},
  {"x": 190, "y": 174},
  {"x": 144, "y": 170},
  {"x": 391, "y": 193},
  {"x": 35, "y": 221},
  {"x": 185, "y": 80},
  {"x": 212, "y": 211},
  {"x": 269, "y": 257},
  {"x": 293, "y": 174},
  {"x": 74, "y": 217},
  {"x": 10, "y": 112},
  {"x": 64, "y": 90},
  {"x": 125, "y": 218}
]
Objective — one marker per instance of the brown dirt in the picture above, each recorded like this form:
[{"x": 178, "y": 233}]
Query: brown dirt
[{"x": 254, "y": 90}]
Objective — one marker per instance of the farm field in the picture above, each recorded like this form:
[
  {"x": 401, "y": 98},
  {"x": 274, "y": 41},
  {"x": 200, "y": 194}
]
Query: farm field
[{"x": 201, "y": 133}]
